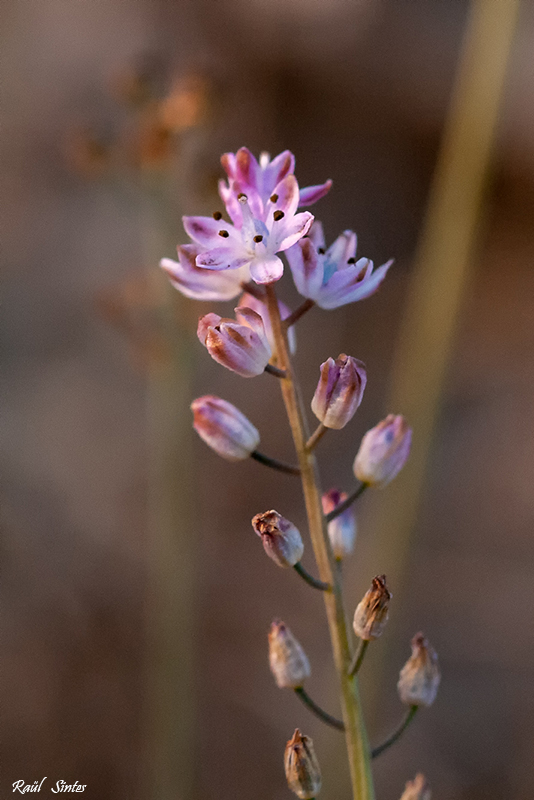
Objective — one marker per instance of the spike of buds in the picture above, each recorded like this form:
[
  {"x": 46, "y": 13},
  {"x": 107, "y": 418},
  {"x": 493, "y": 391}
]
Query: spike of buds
[
  {"x": 339, "y": 391},
  {"x": 241, "y": 345},
  {"x": 287, "y": 660},
  {"x": 281, "y": 539},
  {"x": 383, "y": 451},
  {"x": 371, "y": 613},
  {"x": 418, "y": 789},
  {"x": 302, "y": 768},
  {"x": 420, "y": 676},
  {"x": 342, "y": 529},
  {"x": 224, "y": 428}
]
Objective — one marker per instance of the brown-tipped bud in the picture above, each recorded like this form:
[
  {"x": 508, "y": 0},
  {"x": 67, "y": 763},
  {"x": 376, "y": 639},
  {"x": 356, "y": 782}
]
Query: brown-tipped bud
[
  {"x": 383, "y": 451},
  {"x": 418, "y": 789},
  {"x": 420, "y": 676},
  {"x": 224, "y": 428},
  {"x": 288, "y": 661},
  {"x": 281, "y": 539},
  {"x": 339, "y": 391},
  {"x": 371, "y": 613},
  {"x": 302, "y": 768}
]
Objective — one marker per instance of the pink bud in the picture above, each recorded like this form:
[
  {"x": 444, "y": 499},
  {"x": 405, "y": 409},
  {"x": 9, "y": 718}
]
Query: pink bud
[
  {"x": 288, "y": 661},
  {"x": 383, "y": 451},
  {"x": 339, "y": 391},
  {"x": 281, "y": 539},
  {"x": 241, "y": 346},
  {"x": 260, "y": 307},
  {"x": 224, "y": 428},
  {"x": 342, "y": 529},
  {"x": 420, "y": 676}
]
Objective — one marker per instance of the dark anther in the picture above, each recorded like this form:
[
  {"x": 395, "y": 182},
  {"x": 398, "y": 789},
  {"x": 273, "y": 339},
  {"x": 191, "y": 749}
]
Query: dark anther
[
  {"x": 217, "y": 215},
  {"x": 321, "y": 251},
  {"x": 224, "y": 234},
  {"x": 351, "y": 260},
  {"x": 273, "y": 198},
  {"x": 258, "y": 238},
  {"x": 278, "y": 215},
  {"x": 242, "y": 196}
]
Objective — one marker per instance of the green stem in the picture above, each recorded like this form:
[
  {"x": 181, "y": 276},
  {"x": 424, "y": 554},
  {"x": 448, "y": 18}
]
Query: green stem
[
  {"x": 316, "y": 436},
  {"x": 355, "y": 734},
  {"x": 358, "y": 657},
  {"x": 392, "y": 738},
  {"x": 318, "y": 711}
]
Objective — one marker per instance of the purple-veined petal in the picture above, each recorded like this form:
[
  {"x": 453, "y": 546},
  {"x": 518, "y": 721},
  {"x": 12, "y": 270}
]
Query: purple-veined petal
[
  {"x": 282, "y": 165},
  {"x": 311, "y": 194},
  {"x": 316, "y": 234},
  {"x": 251, "y": 318},
  {"x": 291, "y": 230},
  {"x": 247, "y": 170},
  {"x": 231, "y": 203},
  {"x": 342, "y": 249},
  {"x": 206, "y": 230},
  {"x": 347, "y": 287},
  {"x": 306, "y": 267},
  {"x": 228, "y": 162},
  {"x": 224, "y": 258},
  {"x": 266, "y": 269},
  {"x": 202, "y": 284},
  {"x": 287, "y": 197}
]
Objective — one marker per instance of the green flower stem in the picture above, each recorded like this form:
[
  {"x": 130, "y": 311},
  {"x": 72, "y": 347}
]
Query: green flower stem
[
  {"x": 355, "y": 734},
  {"x": 316, "y": 436},
  {"x": 392, "y": 738},
  {"x": 317, "y": 710},
  {"x": 358, "y": 657}
]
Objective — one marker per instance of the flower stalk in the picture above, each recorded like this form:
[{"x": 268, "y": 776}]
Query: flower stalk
[{"x": 355, "y": 733}]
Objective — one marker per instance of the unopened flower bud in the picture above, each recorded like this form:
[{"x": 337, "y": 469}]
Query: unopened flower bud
[
  {"x": 418, "y": 789},
  {"x": 420, "y": 676},
  {"x": 342, "y": 529},
  {"x": 302, "y": 768},
  {"x": 339, "y": 391},
  {"x": 281, "y": 540},
  {"x": 288, "y": 661},
  {"x": 241, "y": 346},
  {"x": 224, "y": 428},
  {"x": 371, "y": 613},
  {"x": 383, "y": 451}
]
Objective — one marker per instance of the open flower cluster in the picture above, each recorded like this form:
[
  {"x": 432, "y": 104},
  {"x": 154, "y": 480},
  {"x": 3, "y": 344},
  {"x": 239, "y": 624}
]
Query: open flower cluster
[{"x": 227, "y": 257}]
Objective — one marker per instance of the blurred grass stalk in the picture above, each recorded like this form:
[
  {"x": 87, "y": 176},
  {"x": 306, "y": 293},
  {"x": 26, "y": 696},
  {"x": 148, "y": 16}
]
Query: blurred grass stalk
[{"x": 444, "y": 261}]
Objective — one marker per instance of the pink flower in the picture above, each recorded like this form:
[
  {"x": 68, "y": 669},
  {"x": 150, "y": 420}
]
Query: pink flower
[
  {"x": 260, "y": 182},
  {"x": 240, "y": 345},
  {"x": 202, "y": 284},
  {"x": 339, "y": 391},
  {"x": 224, "y": 428},
  {"x": 333, "y": 277},
  {"x": 256, "y": 242}
]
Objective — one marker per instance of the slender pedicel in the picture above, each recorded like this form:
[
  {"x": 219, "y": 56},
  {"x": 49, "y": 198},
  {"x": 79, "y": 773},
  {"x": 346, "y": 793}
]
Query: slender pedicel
[
  {"x": 316, "y": 436},
  {"x": 397, "y": 733},
  {"x": 317, "y": 710},
  {"x": 272, "y": 370},
  {"x": 347, "y": 503},
  {"x": 317, "y": 584},
  {"x": 298, "y": 313},
  {"x": 274, "y": 463},
  {"x": 358, "y": 657}
]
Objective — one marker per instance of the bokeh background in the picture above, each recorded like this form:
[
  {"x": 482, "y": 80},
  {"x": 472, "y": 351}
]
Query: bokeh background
[{"x": 135, "y": 598}]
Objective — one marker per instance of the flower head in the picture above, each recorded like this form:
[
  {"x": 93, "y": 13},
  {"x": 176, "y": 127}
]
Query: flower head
[
  {"x": 372, "y": 612},
  {"x": 288, "y": 661},
  {"x": 202, "y": 284},
  {"x": 383, "y": 451},
  {"x": 241, "y": 345},
  {"x": 281, "y": 539},
  {"x": 339, "y": 391},
  {"x": 342, "y": 529},
  {"x": 333, "y": 277},
  {"x": 420, "y": 677},
  {"x": 224, "y": 428},
  {"x": 302, "y": 768}
]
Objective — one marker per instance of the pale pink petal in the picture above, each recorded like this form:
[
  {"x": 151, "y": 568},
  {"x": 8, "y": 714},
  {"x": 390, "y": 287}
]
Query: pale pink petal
[
  {"x": 204, "y": 284},
  {"x": 206, "y": 230},
  {"x": 232, "y": 204},
  {"x": 247, "y": 316},
  {"x": 342, "y": 249},
  {"x": 306, "y": 267},
  {"x": 206, "y": 322},
  {"x": 228, "y": 162},
  {"x": 316, "y": 234},
  {"x": 291, "y": 230},
  {"x": 260, "y": 308},
  {"x": 223, "y": 258},
  {"x": 276, "y": 170},
  {"x": 287, "y": 197},
  {"x": 310, "y": 194},
  {"x": 248, "y": 170},
  {"x": 347, "y": 287},
  {"x": 267, "y": 269}
]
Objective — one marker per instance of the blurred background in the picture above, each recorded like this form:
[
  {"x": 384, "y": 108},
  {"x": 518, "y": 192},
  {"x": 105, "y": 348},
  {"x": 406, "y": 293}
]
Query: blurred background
[{"x": 136, "y": 599}]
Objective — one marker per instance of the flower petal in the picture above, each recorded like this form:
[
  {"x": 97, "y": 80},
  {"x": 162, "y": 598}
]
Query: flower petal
[
  {"x": 275, "y": 171},
  {"x": 316, "y": 234},
  {"x": 347, "y": 286},
  {"x": 248, "y": 170},
  {"x": 306, "y": 267},
  {"x": 342, "y": 249},
  {"x": 202, "y": 284},
  {"x": 310, "y": 194},
  {"x": 228, "y": 162},
  {"x": 266, "y": 269},
  {"x": 205, "y": 323},
  {"x": 291, "y": 230},
  {"x": 205, "y": 230},
  {"x": 251, "y": 318},
  {"x": 223, "y": 258},
  {"x": 287, "y": 197}
]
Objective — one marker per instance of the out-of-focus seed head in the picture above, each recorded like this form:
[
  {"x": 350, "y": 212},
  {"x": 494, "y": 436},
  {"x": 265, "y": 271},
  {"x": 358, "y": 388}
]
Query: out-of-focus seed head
[
  {"x": 420, "y": 677},
  {"x": 418, "y": 789},
  {"x": 224, "y": 428},
  {"x": 339, "y": 391},
  {"x": 372, "y": 612},
  {"x": 281, "y": 539},
  {"x": 383, "y": 451},
  {"x": 288, "y": 661},
  {"x": 342, "y": 530},
  {"x": 302, "y": 768}
]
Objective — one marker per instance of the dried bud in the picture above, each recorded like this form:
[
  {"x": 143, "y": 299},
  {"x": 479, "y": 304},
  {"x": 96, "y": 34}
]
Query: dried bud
[
  {"x": 342, "y": 529},
  {"x": 302, "y": 768},
  {"x": 339, "y": 391},
  {"x": 418, "y": 789},
  {"x": 371, "y": 613},
  {"x": 383, "y": 451},
  {"x": 420, "y": 676},
  {"x": 281, "y": 540},
  {"x": 241, "y": 346},
  {"x": 288, "y": 661},
  {"x": 224, "y": 428}
]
